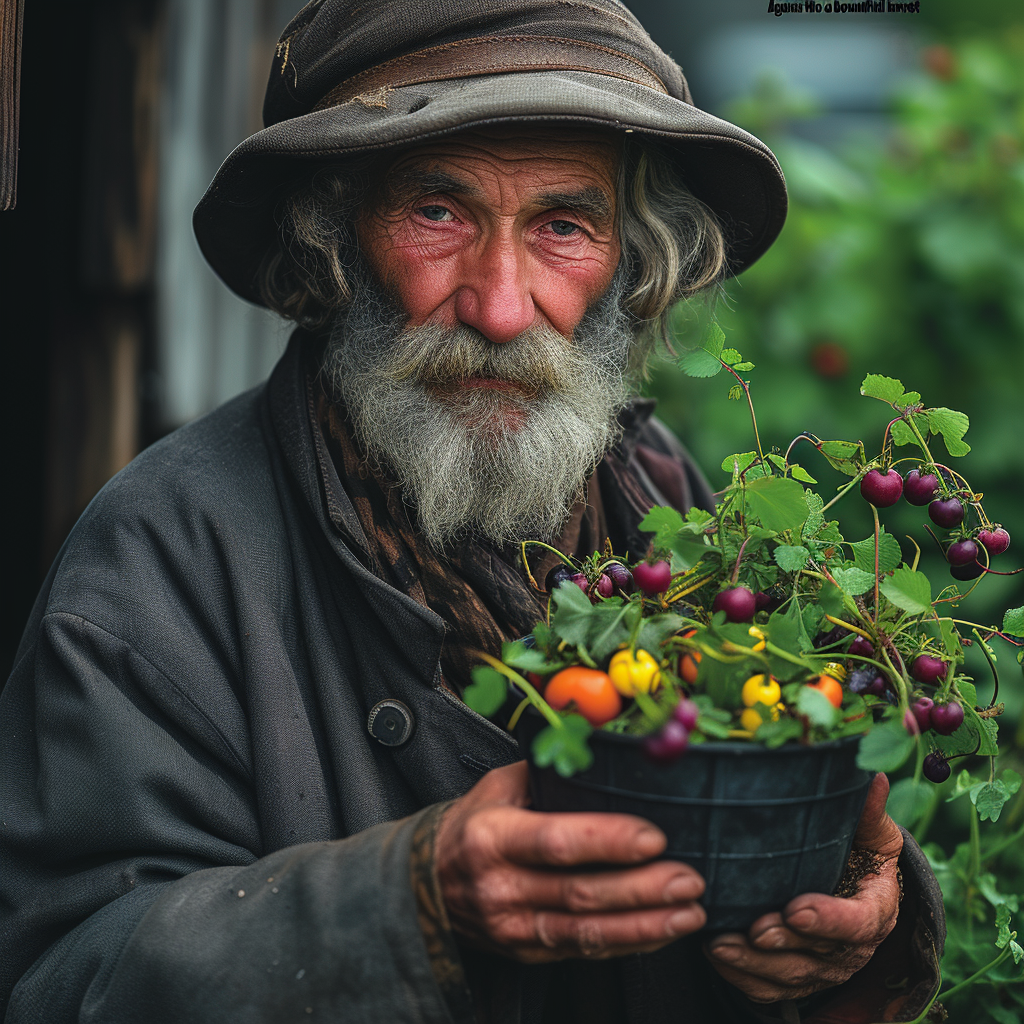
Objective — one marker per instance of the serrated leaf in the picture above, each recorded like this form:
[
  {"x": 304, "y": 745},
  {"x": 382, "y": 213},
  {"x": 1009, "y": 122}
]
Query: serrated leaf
[
  {"x": 1013, "y": 622},
  {"x": 989, "y": 800},
  {"x": 845, "y": 456},
  {"x": 791, "y": 557},
  {"x": 1016, "y": 951},
  {"x": 565, "y": 749},
  {"x": 909, "y": 590},
  {"x": 784, "y": 631},
  {"x": 687, "y": 552},
  {"x": 950, "y": 638},
  {"x": 815, "y": 519},
  {"x": 656, "y": 630},
  {"x": 573, "y": 614},
  {"x": 830, "y": 599},
  {"x": 664, "y": 523},
  {"x": 486, "y": 694},
  {"x": 699, "y": 363},
  {"x": 889, "y": 553},
  {"x": 1002, "y": 926},
  {"x": 885, "y": 748},
  {"x": 908, "y": 801},
  {"x": 699, "y": 516},
  {"x": 952, "y": 425},
  {"x": 853, "y": 581},
  {"x": 886, "y": 389},
  {"x": 610, "y": 628},
  {"x": 778, "y": 503},
  {"x": 909, "y": 398},
  {"x": 739, "y": 462},
  {"x": 730, "y": 356},
  {"x": 529, "y": 659},
  {"x": 713, "y": 339},
  {"x": 816, "y": 707}
]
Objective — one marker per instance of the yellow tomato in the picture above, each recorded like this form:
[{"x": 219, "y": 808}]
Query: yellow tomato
[
  {"x": 759, "y": 637},
  {"x": 751, "y": 720},
  {"x": 761, "y": 689},
  {"x": 634, "y": 673}
]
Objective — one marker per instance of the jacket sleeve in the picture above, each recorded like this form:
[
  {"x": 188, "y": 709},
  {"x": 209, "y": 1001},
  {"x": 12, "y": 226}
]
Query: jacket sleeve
[{"x": 133, "y": 885}]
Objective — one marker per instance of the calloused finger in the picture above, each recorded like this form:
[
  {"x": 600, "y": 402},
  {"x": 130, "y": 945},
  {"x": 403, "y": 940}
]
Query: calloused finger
[
  {"x": 783, "y": 975},
  {"x": 605, "y": 935},
  {"x": 866, "y": 917},
  {"x": 649, "y": 886},
  {"x": 572, "y": 838}
]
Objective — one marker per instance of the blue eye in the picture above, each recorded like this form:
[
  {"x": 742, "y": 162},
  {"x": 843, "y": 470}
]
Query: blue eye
[
  {"x": 435, "y": 213},
  {"x": 563, "y": 227}
]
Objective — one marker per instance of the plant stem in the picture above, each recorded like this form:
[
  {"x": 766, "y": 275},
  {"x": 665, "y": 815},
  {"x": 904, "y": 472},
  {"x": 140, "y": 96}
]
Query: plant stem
[
  {"x": 849, "y": 487},
  {"x": 874, "y": 513},
  {"x": 753, "y": 418},
  {"x": 1003, "y": 954},
  {"x": 851, "y": 628},
  {"x": 531, "y": 694}
]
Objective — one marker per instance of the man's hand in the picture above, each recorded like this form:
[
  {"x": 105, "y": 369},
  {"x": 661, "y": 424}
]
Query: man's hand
[
  {"x": 523, "y": 883},
  {"x": 819, "y": 941}
]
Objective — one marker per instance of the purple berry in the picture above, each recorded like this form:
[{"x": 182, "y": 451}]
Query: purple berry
[
  {"x": 882, "y": 489},
  {"x": 738, "y": 603},
  {"x": 966, "y": 572},
  {"x": 996, "y": 541},
  {"x": 605, "y": 587},
  {"x": 919, "y": 489},
  {"x": 922, "y": 709},
  {"x": 935, "y": 768},
  {"x": 862, "y": 647},
  {"x": 581, "y": 581},
  {"x": 947, "y": 718},
  {"x": 947, "y": 512},
  {"x": 685, "y": 714},
  {"x": 557, "y": 576},
  {"x": 621, "y": 577},
  {"x": 652, "y": 579},
  {"x": 926, "y": 669},
  {"x": 666, "y": 746},
  {"x": 860, "y": 679},
  {"x": 962, "y": 552},
  {"x": 877, "y": 688}
]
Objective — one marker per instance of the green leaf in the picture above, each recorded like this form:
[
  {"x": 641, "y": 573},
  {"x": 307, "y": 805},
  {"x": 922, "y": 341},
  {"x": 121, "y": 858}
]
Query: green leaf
[
  {"x": 1016, "y": 951},
  {"x": 698, "y": 516},
  {"x": 486, "y": 694},
  {"x": 743, "y": 367},
  {"x": 799, "y": 473},
  {"x": 830, "y": 600},
  {"x": 529, "y": 659},
  {"x": 687, "y": 552},
  {"x": 735, "y": 393},
  {"x": 1002, "y": 926},
  {"x": 737, "y": 463},
  {"x": 791, "y": 558},
  {"x": 784, "y": 630},
  {"x": 909, "y": 801},
  {"x": 1013, "y": 622},
  {"x": 909, "y": 590},
  {"x": 889, "y": 553},
  {"x": 774, "y": 734},
  {"x": 845, "y": 456},
  {"x": 951, "y": 638},
  {"x": 989, "y": 800},
  {"x": 699, "y": 363},
  {"x": 573, "y": 614},
  {"x": 817, "y": 708},
  {"x": 611, "y": 627},
  {"x": 713, "y": 340},
  {"x": 815, "y": 519},
  {"x": 853, "y": 581},
  {"x": 656, "y": 630},
  {"x": 886, "y": 389},
  {"x": 952, "y": 425},
  {"x": 664, "y": 523},
  {"x": 566, "y": 748},
  {"x": 778, "y": 503},
  {"x": 730, "y": 356},
  {"x": 885, "y": 748}
]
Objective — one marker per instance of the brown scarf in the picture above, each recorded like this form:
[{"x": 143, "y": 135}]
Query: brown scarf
[{"x": 479, "y": 589}]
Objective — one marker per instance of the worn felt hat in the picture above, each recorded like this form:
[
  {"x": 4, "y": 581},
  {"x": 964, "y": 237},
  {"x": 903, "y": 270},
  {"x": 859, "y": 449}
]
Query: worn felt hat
[{"x": 351, "y": 77}]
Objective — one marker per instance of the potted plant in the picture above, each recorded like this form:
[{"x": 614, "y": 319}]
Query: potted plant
[{"x": 740, "y": 682}]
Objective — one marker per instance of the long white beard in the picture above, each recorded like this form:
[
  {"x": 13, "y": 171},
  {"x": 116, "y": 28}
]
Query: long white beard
[{"x": 506, "y": 464}]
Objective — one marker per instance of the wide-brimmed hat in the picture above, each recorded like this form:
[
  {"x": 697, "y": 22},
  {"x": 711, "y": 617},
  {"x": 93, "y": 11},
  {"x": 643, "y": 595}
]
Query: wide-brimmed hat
[{"x": 352, "y": 77}]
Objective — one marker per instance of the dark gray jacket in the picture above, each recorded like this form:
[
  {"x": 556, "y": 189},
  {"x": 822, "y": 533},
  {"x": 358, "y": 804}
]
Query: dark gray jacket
[{"x": 195, "y": 824}]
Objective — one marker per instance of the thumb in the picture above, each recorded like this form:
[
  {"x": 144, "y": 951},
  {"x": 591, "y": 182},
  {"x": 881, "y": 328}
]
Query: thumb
[{"x": 876, "y": 830}]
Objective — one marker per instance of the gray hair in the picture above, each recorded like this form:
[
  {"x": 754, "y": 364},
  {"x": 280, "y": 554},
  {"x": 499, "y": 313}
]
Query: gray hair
[{"x": 672, "y": 244}]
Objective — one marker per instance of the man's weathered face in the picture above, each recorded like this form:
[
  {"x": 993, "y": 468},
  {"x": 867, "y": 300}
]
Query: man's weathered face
[{"x": 483, "y": 356}]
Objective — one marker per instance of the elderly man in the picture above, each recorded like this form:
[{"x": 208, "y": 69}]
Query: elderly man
[{"x": 238, "y": 783}]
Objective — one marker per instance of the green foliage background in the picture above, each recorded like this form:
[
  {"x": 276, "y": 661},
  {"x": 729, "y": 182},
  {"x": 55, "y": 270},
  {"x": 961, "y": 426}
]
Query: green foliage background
[{"x": 902, "y": 256}]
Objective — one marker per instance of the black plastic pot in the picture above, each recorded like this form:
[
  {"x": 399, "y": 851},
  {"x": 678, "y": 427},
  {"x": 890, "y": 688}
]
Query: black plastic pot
[{"x": 761, "y": 826}]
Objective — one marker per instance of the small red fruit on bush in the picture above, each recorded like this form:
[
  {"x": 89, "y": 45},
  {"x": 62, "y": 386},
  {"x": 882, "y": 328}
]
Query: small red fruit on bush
[
  {"x": 918, "y": 488},
  {"x": 947, "y": 718},
  {"x": 652, "y": 579},
  {"x": 947, "y": 512},
  {"x": 738, "y": 603},
  {"x": 995, "y": 542},
  {"x": 881, "y": 489},
  {"x": 927, "y": 669}
]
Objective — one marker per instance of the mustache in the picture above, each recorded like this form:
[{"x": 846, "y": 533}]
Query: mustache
[{"x": 539, "y": 359}]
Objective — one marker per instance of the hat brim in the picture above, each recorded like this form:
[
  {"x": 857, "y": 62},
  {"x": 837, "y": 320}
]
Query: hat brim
[{"x": 731, "y": 171}]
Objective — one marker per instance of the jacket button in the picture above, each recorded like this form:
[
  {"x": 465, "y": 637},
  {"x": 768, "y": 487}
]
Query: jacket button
[{"x": 391, "y": 723}]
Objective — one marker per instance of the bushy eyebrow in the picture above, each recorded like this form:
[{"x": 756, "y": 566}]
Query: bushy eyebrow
[{"x": 408, "y": 183}]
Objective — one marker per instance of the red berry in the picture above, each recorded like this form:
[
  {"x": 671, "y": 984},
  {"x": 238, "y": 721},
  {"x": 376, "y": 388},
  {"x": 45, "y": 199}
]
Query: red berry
[
  {"x": 918, "y": 489},
  {"x": 966, "y": 572},
  {"x": 738, "y": 603},
  {"x": 669, "y": 744},
  {"x": 877, "y": 687},
  {"x": 922, "y": 709},
  {"x": 882, "y": 489},
  {"x": 994, "y": 541},
  {"x": 652, "y": 579},
  {"x": 620, "y": 576},
  {"x": 935, "y": 768},
  {"x": 581, "y": 581},
  {"x": 962, "y": 552},
  {"x": 605, "y": 587},
  {"x": 926, "y": 669},
  {"x": 685, "y": 714},
  {"x": 947, "y": 718},
  {"x": 947, "y": 512}
]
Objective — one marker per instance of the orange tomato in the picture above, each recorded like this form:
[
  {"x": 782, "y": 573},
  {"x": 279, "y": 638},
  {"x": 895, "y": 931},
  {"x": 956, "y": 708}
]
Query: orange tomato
[
  {"x": 688, "y": 662},
  {"x": 591, "y": 690},
  {"x": 831, "y": 688}
]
